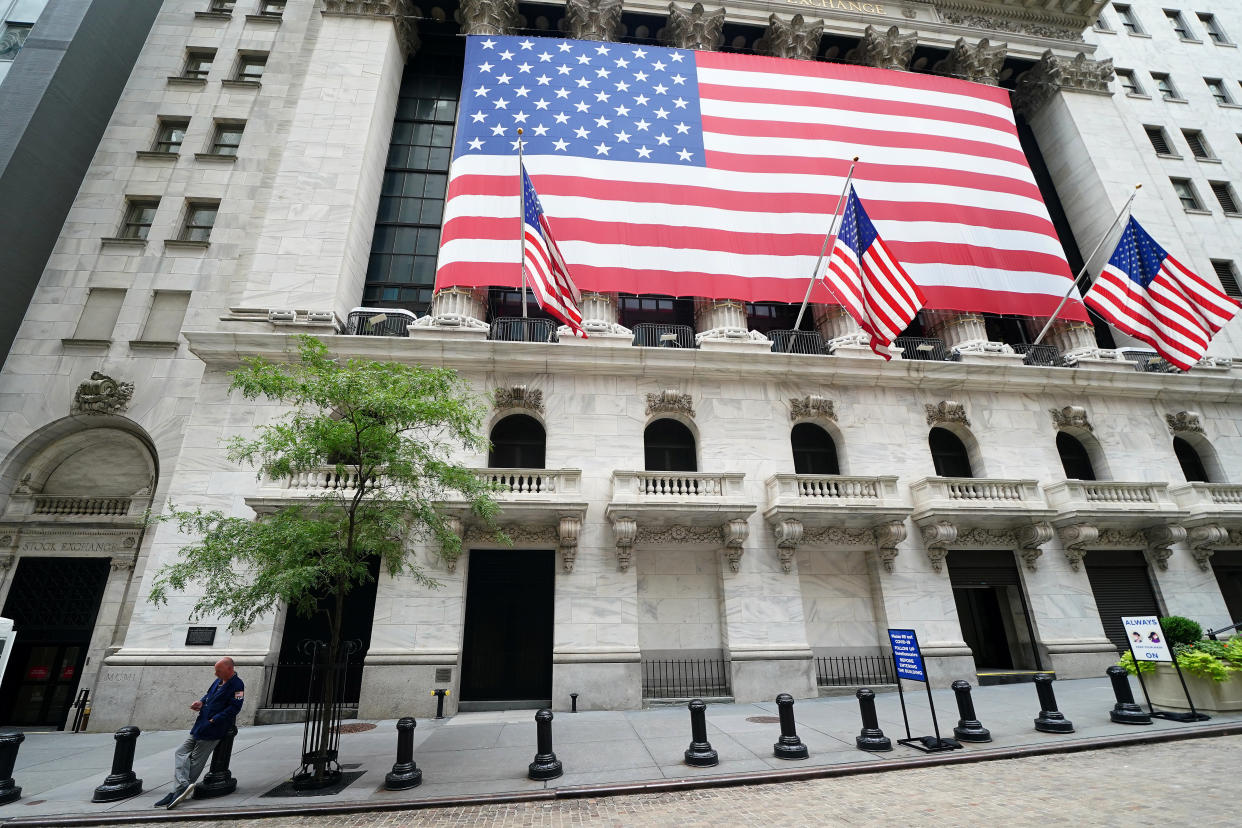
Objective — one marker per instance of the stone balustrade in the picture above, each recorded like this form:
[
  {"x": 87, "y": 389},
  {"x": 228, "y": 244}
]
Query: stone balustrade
[
  {"x": 817, "y": 501},
  {"x": 983, "y": 501},
  {"x": 678, "y": 498},
  {"x": 1209, "y": 495},
  {"x": 72, "y": 506},
  {"x": 817, "y": 488},
  {"x": 643, "y": 485},
  {"x": 509, "y": 483},
  {"x": 1107, "y": 493}
]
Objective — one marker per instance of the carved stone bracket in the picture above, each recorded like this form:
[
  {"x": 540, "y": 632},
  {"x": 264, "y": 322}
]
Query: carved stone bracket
[
  {"x": 1030, "y": 538},
  {"x": 1037, "y": 85},
  {"x": 734, "y": 535},
  {"x": 811, "y": 406},
  {"x": 1203, "y": 542},
  {"x": 670, "y": 402},
  {"x": 887, "y": 537},
  {"x": 1185, "y": 421},
  {"x": 888, "y": 49},
  {"x": 593, "y": 19},
  {"x": 794, "y": 38},
  {"x": 980, "y": 63},
  {"x": 946, "y": 411},
  {"x": 567, "y": 540},
  {"x": 694, "y": 29},
  {"x": 1071, "y": 416},
  {"x": 399, "y": 11},
  {"x": 519, "y": 396},
  {"x": 936, "y": 538},
  {"x": 457, "y": 528},
  {"x": 101, "y": 394},
  {"x": 1159, "y": 539},
  {"x": 788, "y": 535},
  {"x": 1075, "y": 539},
  {"x": 625, "y": 530},
  {"x": 6, "y": 561},
  {"x": 487, "y": 17}
]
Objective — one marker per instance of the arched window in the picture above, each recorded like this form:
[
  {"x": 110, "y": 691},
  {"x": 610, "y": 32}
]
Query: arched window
[
  {"x": 517, "y": 443},
  {"x": 1074, "y": 457},
  {"x": 669, "y": 446},
  {"x": 1192, "y": 463},
  {"x": 814, "y": 452},
  {"x": 948, "y": 454}
]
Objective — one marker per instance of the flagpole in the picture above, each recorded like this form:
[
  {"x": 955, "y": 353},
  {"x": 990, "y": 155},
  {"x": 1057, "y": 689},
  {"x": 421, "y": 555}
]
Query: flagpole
[
  {"x": 1087, "y": 263},
  {"x": 823, "y": 248},
  {"x": 521, "y": 220}
]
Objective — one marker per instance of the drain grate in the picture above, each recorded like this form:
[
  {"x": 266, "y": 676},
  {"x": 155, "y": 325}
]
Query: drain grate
[
  {"x": 763, "y": 719},
  {"x": 355, "y": 727}
]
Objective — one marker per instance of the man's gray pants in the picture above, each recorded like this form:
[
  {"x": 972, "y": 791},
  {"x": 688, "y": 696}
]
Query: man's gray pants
[{"x": 191, "y": 758}]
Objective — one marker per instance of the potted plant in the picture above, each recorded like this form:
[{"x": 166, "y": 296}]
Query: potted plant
[{"x": 1212, "y": 669}]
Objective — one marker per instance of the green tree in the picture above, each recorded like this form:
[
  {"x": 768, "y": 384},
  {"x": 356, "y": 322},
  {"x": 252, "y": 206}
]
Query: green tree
[{"x": 379, "y": 438}]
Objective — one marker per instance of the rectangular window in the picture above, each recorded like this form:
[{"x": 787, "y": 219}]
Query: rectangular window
[
  {"x": 1179, "y": 24},
  {"x": 222, "y": 6},
  {"x": 1100, "y": 24},
  {"x": 250, "y": 67},
  {"x": 200, "y": 216},
  {"x": 226, "y": 139},
  {"x": 1129, "y": 21},
  {"x": 166, "y": 315},
  {"x": 1159, "y": 141},
  {"x": 12, "y": 37},
  {"x": 1224, "y": 194},
  {"x": 1128, "y": 82},
  {"x": 139, "y": 215},
  {"x": 1217, "y": 87},
  {"x": 1228, "y": 275},
  {"x": 1186, "y": 193},
  {"x": 198, "y": 63},
  {"x": 169, "y": 135},
  {"x": 98, "y": 319},
  {"x": 1164, "y": 84},
  {"x": 1197, "y": 143},
  {"x": 1213, "y": 28},
  {"x": 272, "y": 8}
]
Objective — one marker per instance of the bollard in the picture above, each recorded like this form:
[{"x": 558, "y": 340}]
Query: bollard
[
  {"x": 1125, "y": 711},
  {"x": 789, "y": 746},
  {"x": 405, "y": 773},
  {"x": 870, "y": 737},
  {"x": 700, "y": 753},
  {"x": 10, "y": 740},
  {"x": 546, "y": 765},
  {"x": 122, "y": 783},
  {"x": 439, "y": 694},
  {"x": 573, "y": 702},
  {"x": 219, "y": 779},
  {"x": 969, "y": 729},
  {"x": 86, "y": 714},
  {"x": 1050, "y": 720}
]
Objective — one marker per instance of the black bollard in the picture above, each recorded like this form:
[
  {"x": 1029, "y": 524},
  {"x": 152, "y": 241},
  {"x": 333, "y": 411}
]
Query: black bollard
[
  {"x": 1050, "y": 720},
  {"x": 969, "y": 729},
  {"x": 546, "y": 765},
  {"x": 789, "y": 746},
  {"x": 871, "y": 737},
  {"x": 219, "y": 779},
  {"x": 573, "y": 702},
  {"x": 1125, "y": 711},
  {"x": 700, "y": 753},
  {"x": 405, "y": 773},
  {"x": 10, "y": 741},
  {"x": 439, "y": 694},
  {"x": 122, "y": 783}
]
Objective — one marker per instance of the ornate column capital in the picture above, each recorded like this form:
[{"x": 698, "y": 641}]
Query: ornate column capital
[
  {"x": 487, "y": 17},
  {"x": 788, "y": 536},
  {"x": 888, "y": 49},
  {"x": 1075, "y": 539},
  {"x": 887, "y": 536},
  {"x": 1036, "y": 86},
  {"x": 567, "y": 537},
  {"x": 694, "y": 29},
  {"x": 980, "y": 63},
  {"x": 794, "y": 38},
  {"x": 1159, "y": 539},
  {"x": 1030, "y": 538},
  {"x": 1203, "y": 541},
  {"x": 624, "y": 530},
  {"x": 936, "y": 538},
  {"x": 734, "y": 534},
  {"x": 592, "y": 19}
]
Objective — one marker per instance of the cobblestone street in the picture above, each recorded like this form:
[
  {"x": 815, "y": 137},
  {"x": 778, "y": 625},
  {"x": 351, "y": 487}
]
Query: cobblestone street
[{"x": 1177, "y": 783}]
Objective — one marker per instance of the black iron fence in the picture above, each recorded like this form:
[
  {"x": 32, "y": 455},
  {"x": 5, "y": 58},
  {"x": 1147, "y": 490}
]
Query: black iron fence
[
  {"x": 920, "y": 347},
  {"x": 796, "y": 342},
  {"x": 289, "y": 684},
  {"x": 660, "y": 335},
  {"x": 520, "y": 329},
  {"x": 378, "y": 322},
  {"x": 1149, "y": 362},
  {"x": 1044, "y": 355},
  {"x": 685, "y": 678},
  {"x": 850, "y": 671}
]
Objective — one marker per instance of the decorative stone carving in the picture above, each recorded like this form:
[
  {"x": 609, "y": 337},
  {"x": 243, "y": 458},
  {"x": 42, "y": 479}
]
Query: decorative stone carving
[
  {"x": 1184, "y": 421},
  {"x": 1159, "y": 539},
  {"x": 678, "y": 535},
  {"x": 795, "y": 38},
  {"x": 593, "y": 19},
  {"x": 567, "y": 537},
  {"x": 1203, "y": 541},
  {"x": 521, "y": 535},
  {"x": 946, "y": 411},
  {"x": 6, "y": 561},
  {"x": 888, "y": 49},
  {"x": 788, "y": 534},
  {"x": 734, "y": 535},
  {"x": 450, "y": 559},
  {"x": 1072, "y": 416},
  {"x": 625, "y": 530},
  {"x": 838, "y": 536},
  {"x": 519, "y": 396},
  {"x": 811, "y": 407},
  {"x": 986, "y": 538},
  {"x": 400, "y": 11},
  {"x": 1038, "y": 84},
  {"x": 101, "y": 394},
  {"x": 694, "y": 29},
  {"x": 1121, "y": 539},
  {"x": 997, "y": 24},
  {"x": 1075, "y": 539},
  {"x": 1030, "y": 538},
  {"x": 887, "y": 537},
  {"x": 670, "y": 402},
  {"x": 980, "y": 63},
  {"x": 487, "y": 17},
  {"x": 936, "y": 538}
]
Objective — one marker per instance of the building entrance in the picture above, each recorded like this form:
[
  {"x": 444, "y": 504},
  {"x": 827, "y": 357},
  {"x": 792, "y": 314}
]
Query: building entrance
[
  {"x": 507, "y": 643},
  {"x": 1122, "y": 586},
  {"x": 992, "y": 610},
  {"x": 53, "y": 603},
  {"x": 1227, "y": 565}
]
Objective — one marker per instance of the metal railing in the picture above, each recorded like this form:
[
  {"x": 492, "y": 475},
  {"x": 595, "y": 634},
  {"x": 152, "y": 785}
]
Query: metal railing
[
  {"x": 93, "y": 506},
  {"x": 1148, "y": 362},
  {"x": 797, "y": 342},
  {"x": 289, "y": 684},
  {"x": 661, "y": 335},
  {"x": 685, "y": 678},
  {"x": 378, "y": 322},
  {"x": 519, "y": 329},
  {"x": 850, "y": 671},
  {"x": 920, "y": 347},
  {"x": 1046, "y": 356}
]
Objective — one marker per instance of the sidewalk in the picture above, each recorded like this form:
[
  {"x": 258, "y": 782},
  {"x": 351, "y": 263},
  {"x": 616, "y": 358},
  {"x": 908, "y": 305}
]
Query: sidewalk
[{"x": 481, "y": 754}]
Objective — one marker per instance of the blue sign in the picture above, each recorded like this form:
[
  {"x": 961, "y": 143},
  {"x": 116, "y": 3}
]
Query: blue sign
[{"x": 906, "y": 655}]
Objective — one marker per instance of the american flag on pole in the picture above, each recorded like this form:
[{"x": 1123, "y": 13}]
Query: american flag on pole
[
  {"x": 868, "y": 282},
  {"x": 713, "y": 174},
  {"x": 545, "y": 267},
  {"x": 1151, "y": 296}
]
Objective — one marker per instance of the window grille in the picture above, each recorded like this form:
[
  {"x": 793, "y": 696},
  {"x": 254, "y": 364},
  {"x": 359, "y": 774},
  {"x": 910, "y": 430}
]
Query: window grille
[
  {"x": 1159, "y": 142},
  {"x": 1198, "y": 146},
  {"x": 1228, "y": 277},
  {"x": 1224, "y": 194}
]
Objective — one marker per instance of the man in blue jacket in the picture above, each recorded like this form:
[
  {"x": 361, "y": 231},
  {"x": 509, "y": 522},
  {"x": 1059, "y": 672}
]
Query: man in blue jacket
[{"x": 216, "y": 711}]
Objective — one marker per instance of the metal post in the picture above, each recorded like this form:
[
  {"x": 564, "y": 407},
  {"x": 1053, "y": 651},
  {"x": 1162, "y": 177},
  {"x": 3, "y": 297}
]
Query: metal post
[
  {"x": 1050, "y": 720},
  {"x": 405, "y": 773},
  {"x": 10, "y": 740},
  {"x": 871, "y": 737},
  {"x": 700, "y": 753},
  {"x": 439, "y": 694},
  {"x": 219, "y": 780},
  {"x": 789, "y": 746},
  {"x": 546, "y": 765},
  {"x": 122, "y": 783},
  {"x": 573, "y": 702},
  {"x": 969, "y": 728},
  {"x": 80, "y": 705},
  {"x": 1125, "y": 711}
]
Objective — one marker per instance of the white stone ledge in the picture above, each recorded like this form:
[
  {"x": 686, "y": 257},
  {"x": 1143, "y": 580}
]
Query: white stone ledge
[
  {"x": 179, "y": 658},
  {"x": 584, "y": 655},
  {"x": 770, "y": 653}
]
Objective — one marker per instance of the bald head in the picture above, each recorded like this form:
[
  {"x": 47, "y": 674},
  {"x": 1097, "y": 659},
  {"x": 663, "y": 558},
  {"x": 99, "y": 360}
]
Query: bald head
[{"x": 224, "y": 669}]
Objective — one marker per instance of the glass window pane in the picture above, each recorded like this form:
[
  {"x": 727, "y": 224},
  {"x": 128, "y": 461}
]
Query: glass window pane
[
  {"x": 432, "y": 211},
  {"x": 388, "y": 208},
  {"x": 409, "y": 210}
]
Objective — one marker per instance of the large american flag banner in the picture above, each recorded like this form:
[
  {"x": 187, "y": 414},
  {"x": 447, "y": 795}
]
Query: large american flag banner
[{"x": 688, "y": 173}]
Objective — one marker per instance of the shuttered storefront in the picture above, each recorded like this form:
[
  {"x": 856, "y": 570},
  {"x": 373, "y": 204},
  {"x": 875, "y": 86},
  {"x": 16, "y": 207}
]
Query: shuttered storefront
[
  {"x": 1121, "y": 583},
  {"x": 975, "y": 569}
]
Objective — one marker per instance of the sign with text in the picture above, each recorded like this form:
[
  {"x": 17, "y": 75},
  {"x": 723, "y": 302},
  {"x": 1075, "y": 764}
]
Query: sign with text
[
  {"x": 1146, "y": 638},
  {"x": 906, "y": 655}
]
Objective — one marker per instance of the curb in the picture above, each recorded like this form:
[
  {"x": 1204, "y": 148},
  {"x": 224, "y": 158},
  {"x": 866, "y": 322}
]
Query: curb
[{"x": 624, "y": 788}]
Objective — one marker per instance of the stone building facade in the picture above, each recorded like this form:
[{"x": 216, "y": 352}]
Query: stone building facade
[{"x": 797, "y": 504}]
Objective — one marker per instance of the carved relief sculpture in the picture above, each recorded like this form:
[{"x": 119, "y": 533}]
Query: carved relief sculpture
[
  {"x": 1203, "y": 542},
  {"x": 1076, "y": 539},
  {"x": 888, "y": 49},
  {"x": 450, "y": 559},
  {"x": 788, "y": 535},
  {"x": 1185, "y": 421},
  {"x": 811, "y": 407},
  {"x": 1072, "y": 416},
  {"x": 670, "y": 402},
  {"x": 567, "y": 540},
  {"x": 593, "y": 19},
  {"x": 946, "y": 411},
  {"x": 997, "y": 24},
  {"x": 1030, "y": 539},
  {"x": 101, "y": 394},
  {"x": 1159, "y": 539},
  {"x": 936, "y": 538},
  {"x": 734, "y": 534},
  {"x": 624, "y": 529},
  {"x": 795, "y": 38},
  {"x": 519, "y": 396},
  {"x": 487, "y": 17},
  {"x": 980, "y": 63},
  {"x": 887, "y": 537},
  {"x": 694, "y": 29}
]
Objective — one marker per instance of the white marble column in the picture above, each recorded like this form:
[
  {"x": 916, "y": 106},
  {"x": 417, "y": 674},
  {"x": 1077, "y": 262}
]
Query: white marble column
[
  {"x": 722, "y": 322},
  {"x": 964, "y": 332},
  {"x": 454, "y": 309}
]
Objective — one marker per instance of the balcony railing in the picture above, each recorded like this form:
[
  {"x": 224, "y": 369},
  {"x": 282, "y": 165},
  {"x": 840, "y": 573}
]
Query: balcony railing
[
  {"x": 378, "y": 322},
  {"x": 1149, "y": 501},
  {"x": 66, "y": 505},
  {"x": 1046, "y": 356},
  {"x": 1148, "y": 362},
  {"x": 830, "y": 487},
  {"x": 819, "y": 500},
  {"x": 797, "y": 342},
  {"x": 519, "y": 329},
  {"x": 1216, "y": 494},
  {"x": 511, "y": 483},
  {"x": 675, "y": 485},
  {"x": 985, "y": 500},
  {"x": 918, "y": 347},
  {"x": 660, "y": 335}
]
